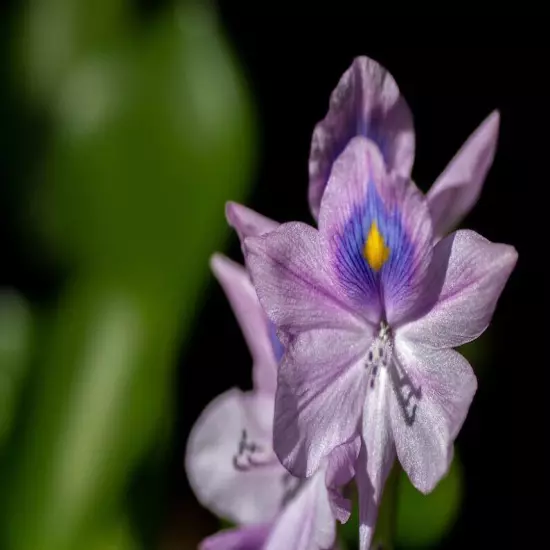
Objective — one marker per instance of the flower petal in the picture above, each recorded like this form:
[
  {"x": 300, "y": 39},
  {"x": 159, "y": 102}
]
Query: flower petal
[
  {"x": 320, "y": 394},
  {"x": 430, "y": 403},
  {"x": 340, "y": 471},
  {"x": 366, "y": 102},
  {"x": 376, "y": 457},
  {"x": 256, "y": 328},
  {"x": 474, "y": 272},
  {"x": 379, "y": 230},
  {"x": 289, "y": 271},
  {"x": 247, "y": 222},
  {"x": 244, "y": 497},
  {"x": 307, "y": 522},
  {"x": 458, "y": 188},
  {"x": 251, "y": 537}
]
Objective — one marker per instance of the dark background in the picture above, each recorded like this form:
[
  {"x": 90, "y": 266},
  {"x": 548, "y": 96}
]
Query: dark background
[{"x": 292, "y": 68}]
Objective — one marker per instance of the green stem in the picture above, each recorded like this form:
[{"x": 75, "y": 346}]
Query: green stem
[{"x": 385, "y": 527}]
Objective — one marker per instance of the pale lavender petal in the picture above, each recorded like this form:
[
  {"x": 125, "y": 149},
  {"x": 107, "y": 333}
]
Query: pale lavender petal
[
  {"x": 217, "y": 472},
  {"x": 457, "y": 189},
  {"x": 474, "y": 272},
  {"x": 320, "y": 395},
  {"x": 379, "y": 230},
  {"x": 341, "y": 463},
  {"x": 366, "y": 102},
  {"x": 290, "y": 273},
  {"x": 256, "y": 328},
  {"x": 377, "y": 455},
  {"x": 429, "y": 405},
  {"x": 307, "y": 522},
  {"x": 340, "y": 505},
  {"x": 251, "y": 537},
  {"x": 340, "y": 471},
  {"x": 247, "y": 222}
]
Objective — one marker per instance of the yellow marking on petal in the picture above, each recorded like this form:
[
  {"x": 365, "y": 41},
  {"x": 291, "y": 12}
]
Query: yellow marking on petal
[{"x": 375, "y": 251}]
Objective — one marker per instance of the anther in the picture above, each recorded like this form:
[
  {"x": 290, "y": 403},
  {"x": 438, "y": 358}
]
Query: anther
[{"x": 250, "y": 454}]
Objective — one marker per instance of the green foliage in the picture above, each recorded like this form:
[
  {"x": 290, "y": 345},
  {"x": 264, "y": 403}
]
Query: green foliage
[
  {"x": 15, "y": 344},
  {"x": 423, "y": 520},
  {"x": 151, "y": 130}
]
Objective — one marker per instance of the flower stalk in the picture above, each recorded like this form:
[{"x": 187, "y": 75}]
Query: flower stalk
[{"x": 384, "y": 535}]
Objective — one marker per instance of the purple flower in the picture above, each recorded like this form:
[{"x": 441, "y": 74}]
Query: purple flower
[
  {"x": 369, "y": 307},
  {"x": 230, "y": 461},
  {"x": 367, "y": 103}
]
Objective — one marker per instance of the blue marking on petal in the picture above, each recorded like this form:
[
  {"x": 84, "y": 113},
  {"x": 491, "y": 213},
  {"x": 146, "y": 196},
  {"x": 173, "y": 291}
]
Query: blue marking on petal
[
  {"x": 360, "y": 281},
  {"x": 278, "y": 349}
]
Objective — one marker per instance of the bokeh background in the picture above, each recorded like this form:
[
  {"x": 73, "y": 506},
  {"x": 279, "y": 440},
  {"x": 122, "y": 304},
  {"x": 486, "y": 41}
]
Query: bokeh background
[{"x": 125, "y": 126}]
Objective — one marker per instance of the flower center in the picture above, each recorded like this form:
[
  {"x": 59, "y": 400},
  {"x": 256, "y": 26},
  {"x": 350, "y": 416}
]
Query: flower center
[
  {"x": 381, "y": 356},
  {"x": 380, "y": 353},
  {"x": 252, "y": 455}
]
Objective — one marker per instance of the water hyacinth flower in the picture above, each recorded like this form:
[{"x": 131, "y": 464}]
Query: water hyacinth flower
[
  {"x": 369, "y": 307},
  {"x": 230, "y": 462},
  {"x": 367, "y": 102}
]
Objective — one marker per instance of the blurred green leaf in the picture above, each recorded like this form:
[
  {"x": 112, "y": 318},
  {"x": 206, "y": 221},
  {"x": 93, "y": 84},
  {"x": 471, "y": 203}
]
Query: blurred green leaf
[
  {"x": 341, "y": 544},
  {"x": 158, "y": 138},
  {"x": 118, "y": 536},
  {"x": 100, "y": 398},
  {"x": 152, "y": 134},
  {"x": 15, "y": 344},
  {"x": 51, "y": 36},
  {"x": 422, "y": 520}
]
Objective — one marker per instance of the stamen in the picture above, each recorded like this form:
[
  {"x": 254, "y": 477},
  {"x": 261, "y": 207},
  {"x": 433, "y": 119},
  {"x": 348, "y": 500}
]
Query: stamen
[
  {"x": 385, "y": 331},
  {"x": 251, "y": 455},
  {"x": 242, "y": 443},
  {"x": 380, "y": 352}
]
